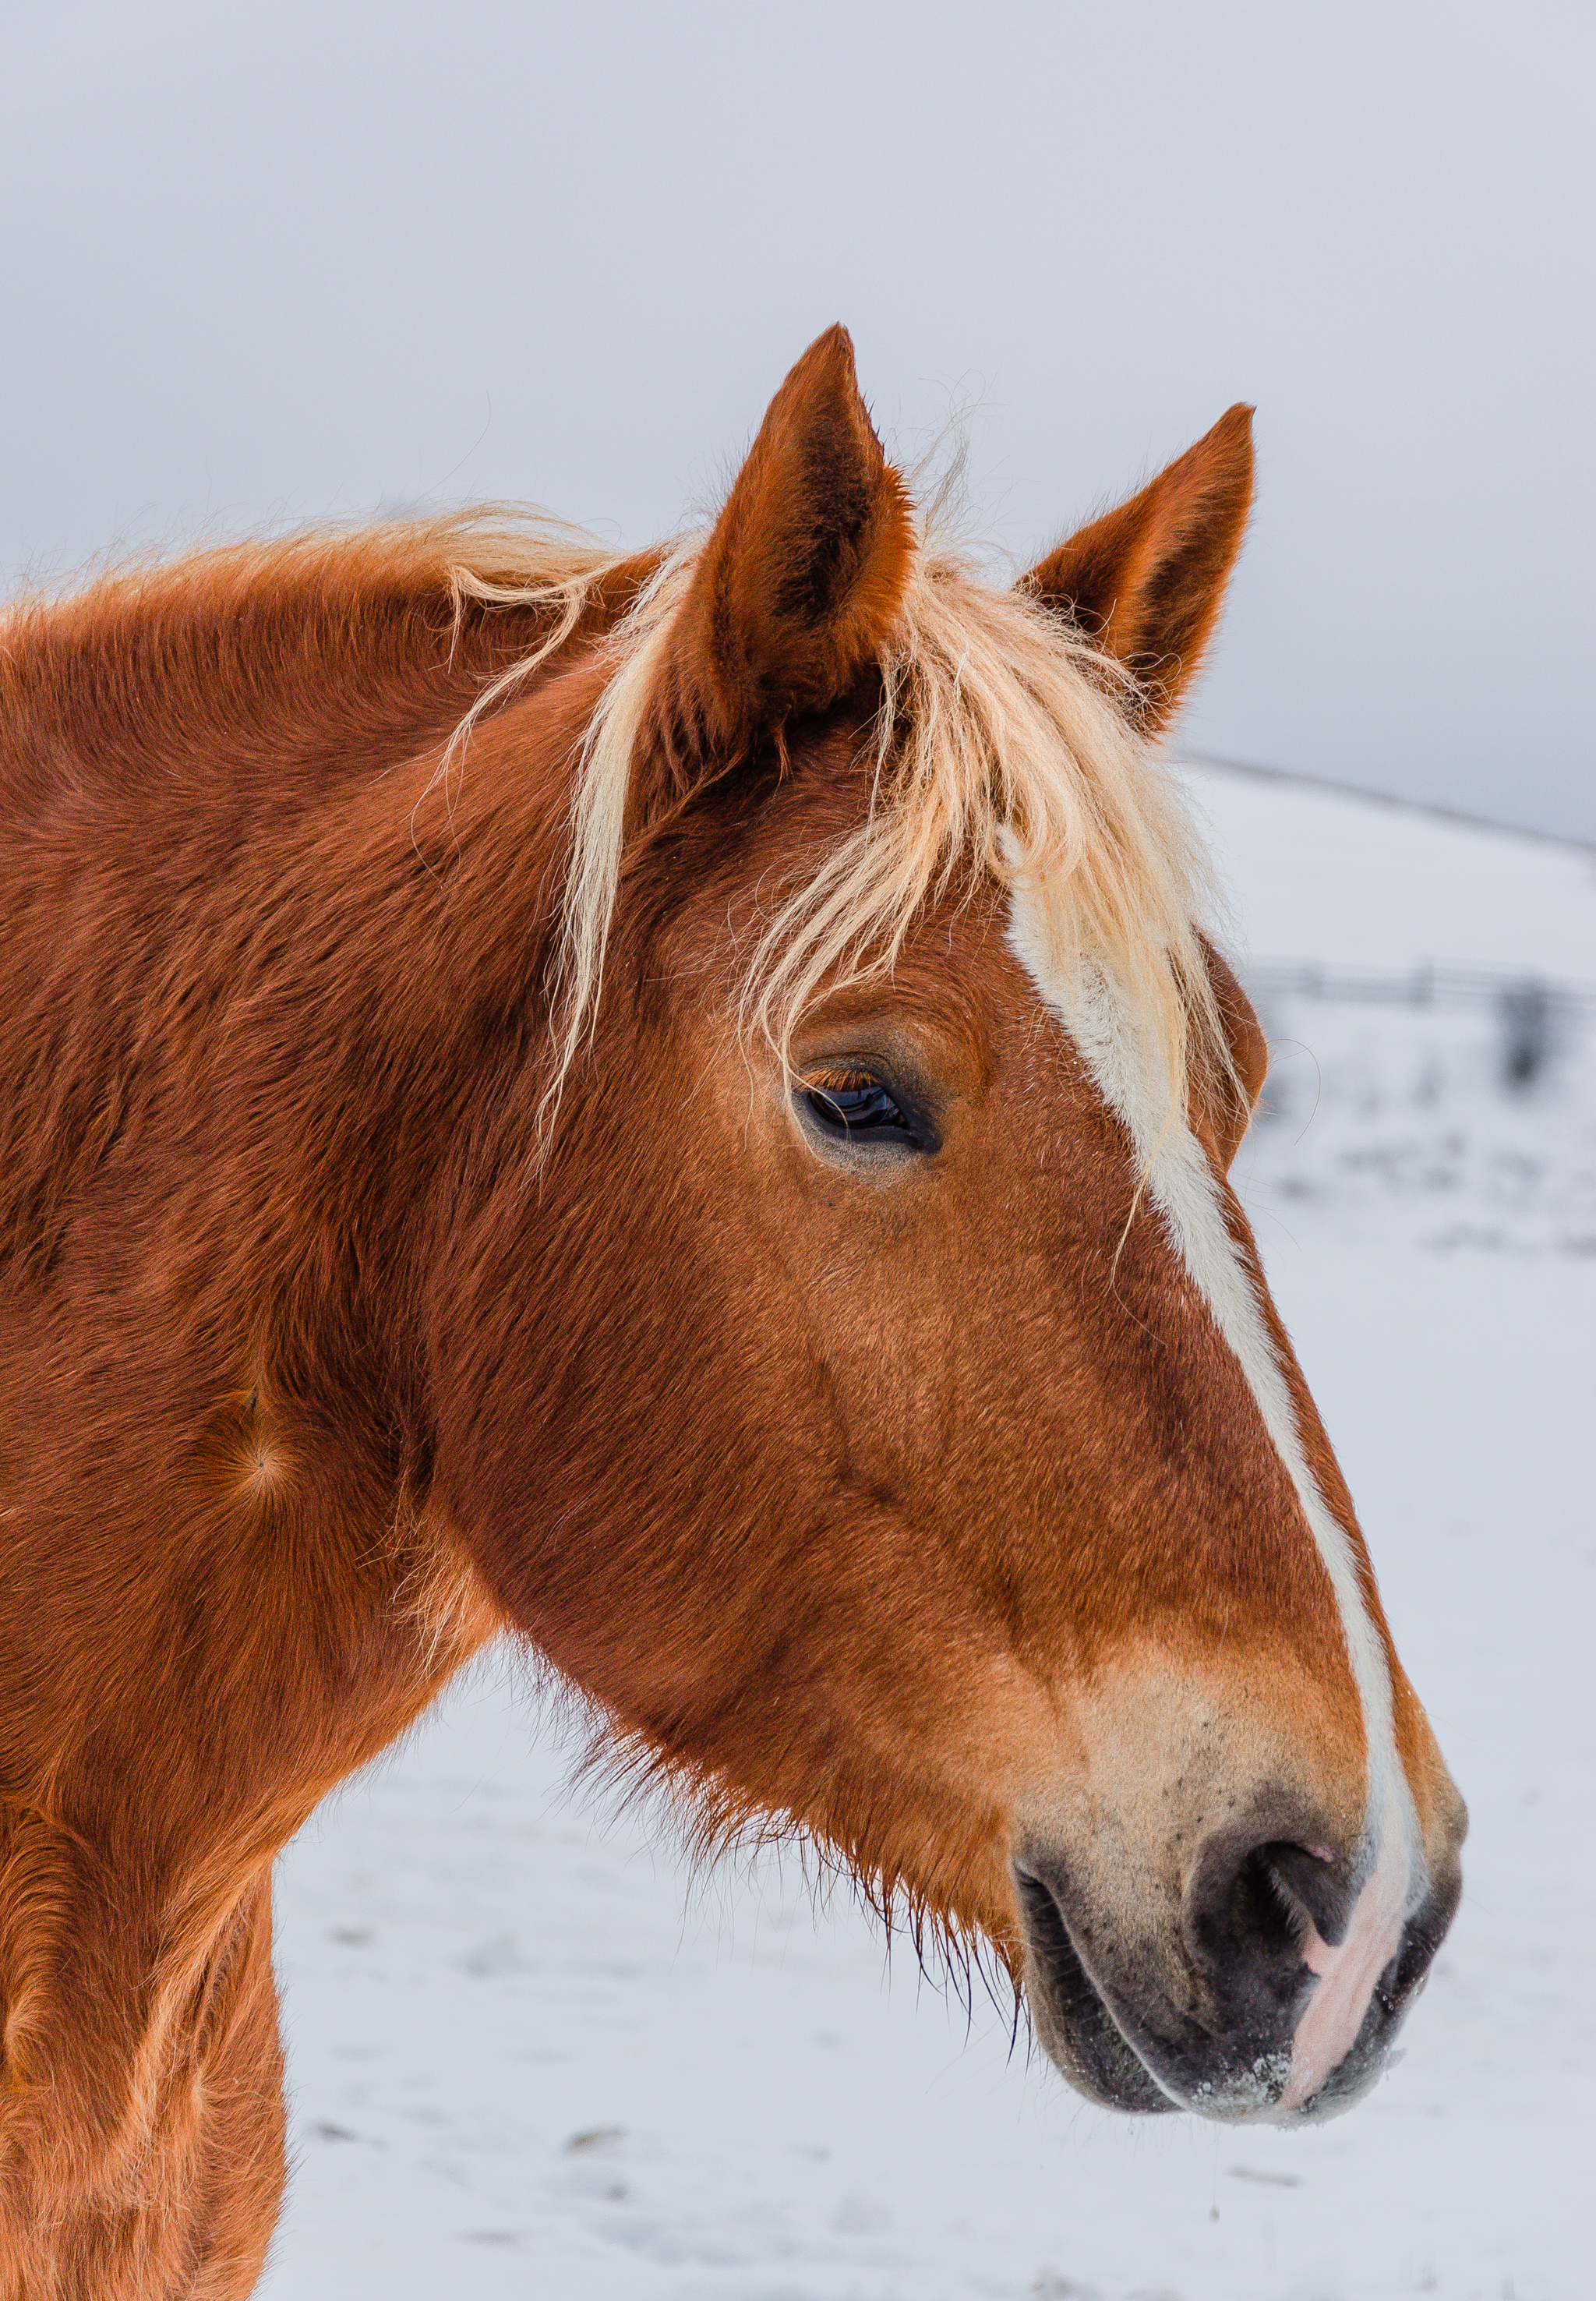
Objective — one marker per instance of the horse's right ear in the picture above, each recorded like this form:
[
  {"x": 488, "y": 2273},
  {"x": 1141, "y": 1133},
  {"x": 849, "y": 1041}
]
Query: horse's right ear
[{"x": 800, "y": 581}]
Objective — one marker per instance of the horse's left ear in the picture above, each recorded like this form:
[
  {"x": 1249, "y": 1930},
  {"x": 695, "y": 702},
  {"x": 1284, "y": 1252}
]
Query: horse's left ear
[
  {"x": 801, "y": 579},
  {"x": 1146, "y": 582}
]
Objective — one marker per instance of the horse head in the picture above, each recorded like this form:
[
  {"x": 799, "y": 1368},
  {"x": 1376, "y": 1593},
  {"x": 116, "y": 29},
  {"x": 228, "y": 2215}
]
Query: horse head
[{"x": 850, "y": 1361}]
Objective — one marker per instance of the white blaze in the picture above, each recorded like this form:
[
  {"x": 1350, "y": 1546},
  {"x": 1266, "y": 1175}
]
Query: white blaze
[{"x": 1180, "y": 1184}]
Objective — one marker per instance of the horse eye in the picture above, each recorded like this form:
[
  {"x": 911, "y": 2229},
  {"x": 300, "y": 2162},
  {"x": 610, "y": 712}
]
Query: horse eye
[{"x": 856, "y": 1106}]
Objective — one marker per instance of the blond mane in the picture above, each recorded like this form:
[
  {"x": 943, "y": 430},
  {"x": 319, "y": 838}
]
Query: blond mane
[{"x": 1005, "y": 749}]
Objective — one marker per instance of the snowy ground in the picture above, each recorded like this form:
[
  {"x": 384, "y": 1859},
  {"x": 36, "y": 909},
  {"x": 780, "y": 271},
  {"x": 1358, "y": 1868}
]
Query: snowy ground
[
  {"x": 1388, "y": 1123},
  {"x": 530, "y": 2056}
]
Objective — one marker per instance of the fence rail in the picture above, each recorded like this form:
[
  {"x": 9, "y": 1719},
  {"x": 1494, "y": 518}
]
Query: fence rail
[
  {"x": 1534, "y": 1011},
  {"x": 1424, "y": 985}
]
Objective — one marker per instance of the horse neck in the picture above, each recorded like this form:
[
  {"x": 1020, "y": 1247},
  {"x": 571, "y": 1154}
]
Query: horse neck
[
  {"x": 274, "y": 969},
  {"x": 268, "y": 980}
]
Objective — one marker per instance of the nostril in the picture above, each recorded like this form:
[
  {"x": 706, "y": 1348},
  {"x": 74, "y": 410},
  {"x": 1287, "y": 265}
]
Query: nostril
[
  {"x": 1269, "y": 1913},
  {"x": 1315, "y": 1887},
  {"x": 1259, "y": 1907}
]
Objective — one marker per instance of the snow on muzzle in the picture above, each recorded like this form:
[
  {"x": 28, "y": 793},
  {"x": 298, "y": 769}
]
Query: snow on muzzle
[{"x": 1268, "y": 1986}]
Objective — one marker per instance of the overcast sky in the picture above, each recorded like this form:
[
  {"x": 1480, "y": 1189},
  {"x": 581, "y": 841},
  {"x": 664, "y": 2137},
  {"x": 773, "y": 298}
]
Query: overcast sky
[{"x": 266, "y": 263}]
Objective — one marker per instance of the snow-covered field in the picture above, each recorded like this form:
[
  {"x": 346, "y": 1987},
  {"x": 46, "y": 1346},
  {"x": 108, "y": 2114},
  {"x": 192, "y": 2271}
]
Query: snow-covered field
[
  {"x": 529, "y": 2055},
  {"x": 1387, "y": 1122}
]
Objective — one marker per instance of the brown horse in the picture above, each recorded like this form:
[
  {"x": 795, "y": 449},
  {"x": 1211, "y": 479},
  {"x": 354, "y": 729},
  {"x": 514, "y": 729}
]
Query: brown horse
[{"x": 679, "y": 1107}]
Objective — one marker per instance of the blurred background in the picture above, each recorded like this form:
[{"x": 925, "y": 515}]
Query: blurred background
[{"x": 265, "y": 264}]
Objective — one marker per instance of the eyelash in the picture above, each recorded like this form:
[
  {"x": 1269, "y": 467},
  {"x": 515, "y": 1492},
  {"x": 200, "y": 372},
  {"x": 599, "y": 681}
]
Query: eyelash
[{"x": 858, "y": 1106}]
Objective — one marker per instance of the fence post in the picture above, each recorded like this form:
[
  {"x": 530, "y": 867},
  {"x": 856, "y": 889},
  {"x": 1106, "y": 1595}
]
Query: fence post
[{"x": 1525, "y": 1011}]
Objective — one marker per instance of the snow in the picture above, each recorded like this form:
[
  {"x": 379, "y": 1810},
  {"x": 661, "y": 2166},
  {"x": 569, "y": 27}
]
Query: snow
[
  {"x": 529, "y": 2054},
  {"x": 1389, "y": 1123},
  {"x": 1320, "y": 873}
]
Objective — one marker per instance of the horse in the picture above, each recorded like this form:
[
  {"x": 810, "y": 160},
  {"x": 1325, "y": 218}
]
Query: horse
[{"x": 678, "y": 1107}]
